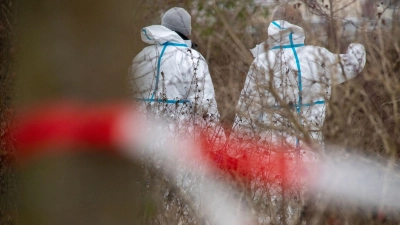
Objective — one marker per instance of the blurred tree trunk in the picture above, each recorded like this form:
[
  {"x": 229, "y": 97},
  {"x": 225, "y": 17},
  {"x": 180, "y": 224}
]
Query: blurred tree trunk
[
  {"x": 7, "y": 51},
  {"x": 77, "y": 50},
  {"x": 73, "y": 50},
  {"x": 84, "y": 189}
]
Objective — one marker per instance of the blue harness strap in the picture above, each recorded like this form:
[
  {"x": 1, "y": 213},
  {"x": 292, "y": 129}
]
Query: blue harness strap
[
  {"x": 162, "y": 101},
  {"x": 288, "y": 46},
  {"x": 300, "y": 104},
  {"x": 300, "y": 85},
  {"x": 166, "y": 44},
  {"x": 145, "y": 33},
  {"x": 158, "y": 71},
  {"x": 320, "y": 102},
  {"x": 277, "y": 25}
]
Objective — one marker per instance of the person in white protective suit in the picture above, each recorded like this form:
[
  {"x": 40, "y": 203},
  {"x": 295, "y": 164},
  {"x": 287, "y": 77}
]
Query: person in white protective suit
[
  {"x": 289, "y": 83},
  {"x": 170, "y": 79}
]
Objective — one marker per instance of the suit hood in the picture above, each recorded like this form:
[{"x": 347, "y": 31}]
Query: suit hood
[
  {"x": 281, "y": 32},
  {"x": 158, "y": 34}
]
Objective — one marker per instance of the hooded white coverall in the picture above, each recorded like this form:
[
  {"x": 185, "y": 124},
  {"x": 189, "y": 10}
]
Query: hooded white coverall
[
  {"x": 169, "y": 80},
  {"x": 289, "y": 85}
]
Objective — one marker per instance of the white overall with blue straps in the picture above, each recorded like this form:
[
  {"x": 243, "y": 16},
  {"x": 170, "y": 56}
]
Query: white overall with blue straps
[
  {"x": 295, "y": 75},
  {"x": 171, "y": 78}
]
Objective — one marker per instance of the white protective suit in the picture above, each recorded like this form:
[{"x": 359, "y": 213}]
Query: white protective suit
[
  {"x": 290, "y": 84},
  {"x": 170, "y": 80}
]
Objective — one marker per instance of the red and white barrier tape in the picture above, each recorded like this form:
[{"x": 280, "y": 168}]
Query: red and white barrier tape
[{"x": 122, "y": 130}]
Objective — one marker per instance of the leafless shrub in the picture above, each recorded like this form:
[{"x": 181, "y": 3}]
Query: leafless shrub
[{"x": 362, "y": 113}]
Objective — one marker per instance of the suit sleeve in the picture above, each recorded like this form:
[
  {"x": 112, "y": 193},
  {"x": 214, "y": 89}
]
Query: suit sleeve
[{"x": 350, "y": 64}]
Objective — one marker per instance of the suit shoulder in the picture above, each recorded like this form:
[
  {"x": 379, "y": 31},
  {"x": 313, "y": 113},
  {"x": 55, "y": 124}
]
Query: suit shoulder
[
  {"x": 265, "y": 59},
  {"x": 146, "y": 52},
  {"x": 196, "y": 53}
]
